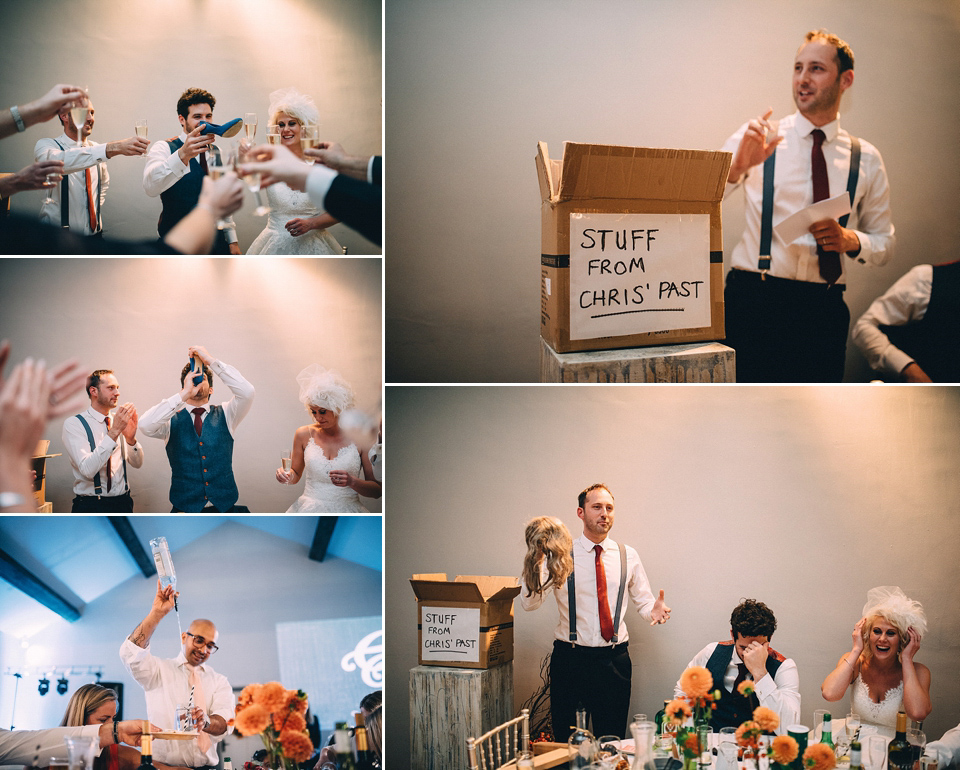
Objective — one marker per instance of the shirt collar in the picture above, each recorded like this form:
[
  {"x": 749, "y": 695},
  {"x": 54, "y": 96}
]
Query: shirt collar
[
  {"x": 182, "y": 661},
  {"x": 588, "y": 545},
  {"x": 94, "y": 414},
  {"x": 803, "y": 127}
]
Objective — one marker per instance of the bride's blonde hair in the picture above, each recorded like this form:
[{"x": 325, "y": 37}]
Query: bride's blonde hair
[
  {"x": 547, "y": 538},
  {"x": 295, "y": 104}
]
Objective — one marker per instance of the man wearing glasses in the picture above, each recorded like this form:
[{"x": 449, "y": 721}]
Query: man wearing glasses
[{"x": 184, "y": 681}]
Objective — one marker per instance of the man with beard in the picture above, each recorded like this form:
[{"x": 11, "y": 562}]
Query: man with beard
[
  {"x": 187, "y": 680},
  {"x": 199, "y": 438},
  {"x": 75, "y": 203},
  {"x": 590, "y": 664},
  {"x": 98, "y": 457},
  {"x": 176, "y": 167},
  {"x": 785, "y": 314}
]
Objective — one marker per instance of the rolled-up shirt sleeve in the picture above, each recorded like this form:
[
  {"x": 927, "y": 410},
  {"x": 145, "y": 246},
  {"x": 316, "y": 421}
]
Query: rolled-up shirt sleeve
[{"x": 141, "y": 664}]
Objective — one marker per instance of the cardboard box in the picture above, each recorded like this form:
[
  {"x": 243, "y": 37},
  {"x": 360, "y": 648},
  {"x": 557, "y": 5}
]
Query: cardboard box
[
  {"x": 466, "y": 622},
  {"x": 631, "y": 246}
]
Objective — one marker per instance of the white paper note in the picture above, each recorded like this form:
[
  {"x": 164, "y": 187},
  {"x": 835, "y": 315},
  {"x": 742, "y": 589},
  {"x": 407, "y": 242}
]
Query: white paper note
[{"x": 797, "y": 225}]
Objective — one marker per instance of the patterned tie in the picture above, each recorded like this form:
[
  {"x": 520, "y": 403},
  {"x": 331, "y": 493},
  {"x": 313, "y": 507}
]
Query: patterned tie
[
  {"x": 90, "y": 205},
  {"x": 109, "y": 459},
  {"x": 829, "y": 260},
  {"x": 606, "y": 622},
  {"x": 203, "y": 740},
  {"x": 197, "y": 422}
]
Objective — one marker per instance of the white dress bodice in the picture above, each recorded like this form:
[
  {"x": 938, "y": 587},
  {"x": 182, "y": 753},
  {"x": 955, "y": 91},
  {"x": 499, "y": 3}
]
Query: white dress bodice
[
  {"x": 320, "y": 495},
  {"x": 286, "y": 204},
  {"x": 882, "y": 714}
]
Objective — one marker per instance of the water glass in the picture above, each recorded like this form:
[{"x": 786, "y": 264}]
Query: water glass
[
  {"x": 818, "y": 724},
  {"x": 877, "y": 752}
]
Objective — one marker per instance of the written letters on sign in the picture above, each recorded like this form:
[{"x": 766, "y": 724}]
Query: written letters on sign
[
  {"x": 637, "y": 273},
  {"x": 450, "y": 633}
]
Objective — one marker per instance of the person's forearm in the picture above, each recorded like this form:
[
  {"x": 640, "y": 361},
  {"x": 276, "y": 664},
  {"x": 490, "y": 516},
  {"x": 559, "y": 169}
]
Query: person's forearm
[
  {"x": 217, "y": 726},
  {"x": 9, "y": 186},
  {"x": 195, "y": 233},
  {"x": 835, "y": 685},
  {"x": 916, "y": 702},
  {"x": 142, "y": 633},
  {"x": 15, "y": 478},
  {"x": 366, "y": 488}
]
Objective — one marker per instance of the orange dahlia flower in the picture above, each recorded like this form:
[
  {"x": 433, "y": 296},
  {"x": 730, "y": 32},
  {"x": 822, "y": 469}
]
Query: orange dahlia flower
[
  {"x": 784, "y": 749},
  {"x": 289, "y": 720},
  {"x": 746, "y": 734},
  {"x": 678, "y": 710},
  {"x": 768, "y": 719},
  {"x": 271, "y": 696},
  {"x": 696, "y": 681},
  {"x": 746, "y": 688},
  {"x": 252, "y": 720},
  {"x": 296, "y": 745},
  {"x": 819, "y": 756}
]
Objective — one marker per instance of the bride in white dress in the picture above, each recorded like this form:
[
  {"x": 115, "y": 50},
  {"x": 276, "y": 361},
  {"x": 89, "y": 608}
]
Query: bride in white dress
[
  {"x": 880, "y": 667},
  {"x": 323, "y": 455},
  {"x": 294, "y": 224}
]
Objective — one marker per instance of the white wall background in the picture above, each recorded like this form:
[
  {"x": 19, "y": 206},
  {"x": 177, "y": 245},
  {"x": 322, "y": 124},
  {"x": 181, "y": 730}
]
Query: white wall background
[
  {"x": 268, "y": 317},
  {"x": 216, "y": 581},
  {"x": 804, "y": 498},
  {"x": 472, "y": 87},
  {"x": 138, "y": 56}
]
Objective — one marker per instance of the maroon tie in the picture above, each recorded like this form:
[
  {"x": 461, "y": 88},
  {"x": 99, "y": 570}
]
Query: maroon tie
[
  {"x": 109, "y": 459},
  {"x": 197, "y": 422},
  {"x": 202, "y": 159},
  {"x": 829, "y": 260},
  {"x": 606, "y": 622},
  {"x": 741, "y": 675}
]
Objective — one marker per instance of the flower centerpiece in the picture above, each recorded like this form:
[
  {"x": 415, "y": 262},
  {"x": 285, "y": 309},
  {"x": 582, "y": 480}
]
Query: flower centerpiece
[
  {"x": 695, "y": 705},
  {"x": 764, "y": 721},
  {"x": 276, "y": 714}
]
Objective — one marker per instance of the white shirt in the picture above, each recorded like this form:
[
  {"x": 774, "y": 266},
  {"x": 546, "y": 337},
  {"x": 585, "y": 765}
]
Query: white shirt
[
  {"x": 793, "y": 190},
  {"x": 904, "y": 302},
  {"x": 155, "y": 422},
  {"x": 164, "y": 169},
  {"x": 165, "y": 683},
  {"x": 75, "y": 159},
  {"x": 585, "y": 578},
  {"x": 947, "y": 749},
  {"x": 780, "y": 693},
  {"x": 376, "y": 460},
  {"x": 20, "y": 746},
  {"x": 86, "y": 463}
]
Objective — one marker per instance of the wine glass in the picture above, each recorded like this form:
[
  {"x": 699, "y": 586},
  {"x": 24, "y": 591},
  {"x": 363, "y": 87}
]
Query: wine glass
[
  {"x": 917, "y": 739},
  {"x": 78, "y": 114},
  {"x": 309, "y": 137},
  {"x": 273, "y": 134},
  {"x": 140, "y": 127},
  {"x": 252, "y": 178},
  {"x": 250, "y": 125},
  {"x": 609, "y": 755},
  {"x": 877, "y": 751},
  {"x": 218, "y": 164},
  {"x": 286, "y": 461}
]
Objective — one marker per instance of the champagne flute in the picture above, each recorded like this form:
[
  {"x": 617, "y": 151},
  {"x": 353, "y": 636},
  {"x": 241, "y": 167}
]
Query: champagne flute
[
  {"x": 877, "y": 751},
  {"x": 250, "y": 124},
  {"x": 218, "y": 164},
  {"x": 140, "y": 127},
  {"x": 273, "y": 134},
  {"x": 78, "y": 114},
  {"x": 286, "y": 461},
  {"x": 309, "y": 137},
  {"x": 251, "y": 178}
]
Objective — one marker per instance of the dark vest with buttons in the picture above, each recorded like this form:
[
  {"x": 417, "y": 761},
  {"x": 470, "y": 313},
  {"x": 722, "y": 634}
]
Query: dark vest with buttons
[
  {"x": 201, "y": 466},
  {"x": 934, "y": 341},
  {"x": 181, "y": 199},
  {"x": 733, "y": 708}
]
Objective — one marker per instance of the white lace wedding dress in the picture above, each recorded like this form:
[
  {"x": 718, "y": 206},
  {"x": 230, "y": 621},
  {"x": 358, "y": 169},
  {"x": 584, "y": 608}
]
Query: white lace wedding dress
[
  {"x": 286, "y": 204},
  {"x": 883, "y": 714},
  {"x": 319, "y": 493}
]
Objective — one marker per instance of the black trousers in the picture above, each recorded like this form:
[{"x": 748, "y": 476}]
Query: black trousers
[
  {"x": 597, "y": 678},
  {"x": 93, "y": 504},
  {"x": 785, "y": 331},
  {"x": 213, "y": 509}
]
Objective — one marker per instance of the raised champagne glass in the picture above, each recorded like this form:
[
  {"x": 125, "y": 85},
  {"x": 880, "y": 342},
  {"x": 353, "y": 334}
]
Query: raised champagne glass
[
  {"x": 250, "y": 125},
  {"x": 309, "y": 137},
  {"x": 286, "y": 462},
  {"x": 251, "y": 178},
  {"x": 78, "y": 115},
  {"x": 140, "y": 127},
  {"x": 273, "y": 134},
  {"x": 218, "y": 164}
]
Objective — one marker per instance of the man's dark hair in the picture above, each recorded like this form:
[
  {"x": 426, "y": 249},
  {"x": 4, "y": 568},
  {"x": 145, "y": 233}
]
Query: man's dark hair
[
  {"x": 582, "y": 498},
  {"x": 844, "y": 51},
  {"x": 93, "y": 381},
  {"x": 752, "y": 618},
  {"x": 188, "y": 367},
  {"x": 194, "y": 96}
]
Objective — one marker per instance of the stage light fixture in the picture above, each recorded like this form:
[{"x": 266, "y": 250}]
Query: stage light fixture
[
  {"x": 62, "y": 685},
  {"x": 44, "y": 687}
]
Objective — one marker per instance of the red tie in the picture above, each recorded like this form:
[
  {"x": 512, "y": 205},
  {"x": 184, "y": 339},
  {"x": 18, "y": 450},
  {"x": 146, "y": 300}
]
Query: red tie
[
  {"x": 90, "y": 206},
  {"x": 110, "y": 458},
  {"x": 829, "y": 260},
  {"x": 197, "y": 422},
  {"x": 606, "y": 622}
]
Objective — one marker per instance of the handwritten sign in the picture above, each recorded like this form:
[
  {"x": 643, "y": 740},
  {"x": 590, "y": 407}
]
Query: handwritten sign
[
  {"x": 636, "y": 273},
  {"x": 450, "y": 633}
]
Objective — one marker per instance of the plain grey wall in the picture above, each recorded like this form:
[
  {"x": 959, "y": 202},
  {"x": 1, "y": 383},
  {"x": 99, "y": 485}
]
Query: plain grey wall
[
  {"x": 268, "y": 317},
  {"x": 801, "y": 497},
  {"x": 138, "y": 56},
  {"x": 472, "y": 87}
]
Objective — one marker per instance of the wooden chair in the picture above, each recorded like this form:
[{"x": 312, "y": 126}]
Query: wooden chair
[{"x": 498, "y": 746}]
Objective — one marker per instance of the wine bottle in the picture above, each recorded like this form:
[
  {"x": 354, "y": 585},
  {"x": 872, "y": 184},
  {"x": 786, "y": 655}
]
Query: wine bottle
[
  {"x": 827, "y": 732},
  {"x": 227, "y": 763},
  {"x": 661, "y": 717},
  {"x": 341, "y": 744},
  {"x": 899, "y": 753},
  {"x": 855, "y": 760},
  {"x": 146, "y": 748},
  {"x": 364, "y": 755}
]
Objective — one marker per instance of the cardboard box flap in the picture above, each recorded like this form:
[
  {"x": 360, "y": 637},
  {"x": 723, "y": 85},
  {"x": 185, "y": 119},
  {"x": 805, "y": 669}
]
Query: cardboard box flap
[
  {"x": 594, "y": 171},
  {"x": 545, "y": 172},
  {"x": 493, "y": 587},
  {"x": 445, "y": 590}
]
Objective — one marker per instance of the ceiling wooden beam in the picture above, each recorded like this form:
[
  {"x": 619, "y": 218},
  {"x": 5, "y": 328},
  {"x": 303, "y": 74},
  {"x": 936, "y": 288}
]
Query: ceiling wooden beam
[
  {"x": 24, "y": 580},
  {"x": 321, "y": 538},
  {"x": 125, "y": 530}
]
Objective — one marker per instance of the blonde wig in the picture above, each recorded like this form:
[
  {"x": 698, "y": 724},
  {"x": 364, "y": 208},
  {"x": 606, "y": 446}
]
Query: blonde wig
[
  {"x": 84, "y": 702},
  {"x": 547, "y": 538},
  {"x": 890, "y": 604}
]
